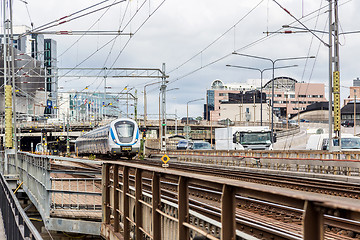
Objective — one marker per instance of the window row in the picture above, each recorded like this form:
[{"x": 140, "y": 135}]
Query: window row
[
  {"x": 295, "y": 102},
  {"x": 293, "y": 96}
]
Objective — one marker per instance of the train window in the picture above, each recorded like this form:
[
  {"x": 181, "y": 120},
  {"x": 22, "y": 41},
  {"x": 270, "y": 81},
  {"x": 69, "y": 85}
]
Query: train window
[{"x": 125, "y": 131}]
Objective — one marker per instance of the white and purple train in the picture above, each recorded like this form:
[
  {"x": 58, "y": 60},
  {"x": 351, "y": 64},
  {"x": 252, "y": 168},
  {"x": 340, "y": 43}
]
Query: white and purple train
[{"x": 119, "y": 138}]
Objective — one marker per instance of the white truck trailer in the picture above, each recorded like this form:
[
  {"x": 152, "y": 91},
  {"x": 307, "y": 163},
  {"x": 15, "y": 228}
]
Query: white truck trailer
[{"x": 243, "y": 138}]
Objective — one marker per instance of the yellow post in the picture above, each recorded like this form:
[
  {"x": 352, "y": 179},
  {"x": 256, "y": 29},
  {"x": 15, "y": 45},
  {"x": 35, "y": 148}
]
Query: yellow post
[{"x": 8, "y": 117}]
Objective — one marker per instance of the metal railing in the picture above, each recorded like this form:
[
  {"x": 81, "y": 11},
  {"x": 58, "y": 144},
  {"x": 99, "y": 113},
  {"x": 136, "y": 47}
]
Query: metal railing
[
  {"x": 16, "y": 223},
  {"x": 60, "y": 201},
  {"x": 129, "y": 209},
  {"x": 68, "y": 193},
  {"x": 332, "y": 163}
]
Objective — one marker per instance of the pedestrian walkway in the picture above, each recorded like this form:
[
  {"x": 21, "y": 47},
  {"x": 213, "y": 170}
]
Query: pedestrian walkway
[{"x": 2, "y": 229}]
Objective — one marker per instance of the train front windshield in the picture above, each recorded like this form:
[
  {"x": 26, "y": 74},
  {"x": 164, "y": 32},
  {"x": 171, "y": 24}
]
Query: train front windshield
[{"x": 125, "y": 131}]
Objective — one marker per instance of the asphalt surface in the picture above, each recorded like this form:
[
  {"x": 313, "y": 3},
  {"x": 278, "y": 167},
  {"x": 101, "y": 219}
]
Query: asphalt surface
[{"x": 298, "y": 141}]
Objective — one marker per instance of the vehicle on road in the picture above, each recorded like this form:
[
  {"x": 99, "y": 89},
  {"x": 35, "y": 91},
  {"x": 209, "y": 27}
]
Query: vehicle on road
[
  {"x": 184, "y": 144},
  {"x": 244, "y": 138},
  {"x": 119, "y": 138},
  {"x": 348, "y": 123},
  {"x": 201, "y": 145},
  {"x": 190, "y": 120},
  {"x": 226, "y": 122},
  {"x": 349, "y": 142}
]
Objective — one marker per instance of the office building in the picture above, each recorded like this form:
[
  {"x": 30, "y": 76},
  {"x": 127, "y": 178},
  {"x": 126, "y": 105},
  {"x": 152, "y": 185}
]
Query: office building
[{"x": 290, "y": 96}]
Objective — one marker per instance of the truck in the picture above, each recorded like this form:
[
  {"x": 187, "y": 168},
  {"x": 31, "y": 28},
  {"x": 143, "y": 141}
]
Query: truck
[
  {"x": 244, "y": 138},
  {"x": 349, "y": 142}
]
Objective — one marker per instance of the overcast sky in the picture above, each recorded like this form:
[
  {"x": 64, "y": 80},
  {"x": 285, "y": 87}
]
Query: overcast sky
[{"x": 195, "y": 40}]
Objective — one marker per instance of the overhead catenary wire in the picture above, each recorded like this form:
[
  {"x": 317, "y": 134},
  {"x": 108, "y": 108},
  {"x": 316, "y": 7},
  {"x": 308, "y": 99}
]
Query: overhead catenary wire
[
  {"x": 85, "y": 31},
  {"x": 261, "y": 39},
  {"x": 148, "y": 17},
  {"x": 303, "y": 74},
  {"x": 296, "y": 19},
  {"x": 125, "y": 45},
  {"x": 45, "y": 26},
  {"x": 218, "y": 38},
  {"x": 77, "y": 17},
  {"x": 97, "y": 50}
]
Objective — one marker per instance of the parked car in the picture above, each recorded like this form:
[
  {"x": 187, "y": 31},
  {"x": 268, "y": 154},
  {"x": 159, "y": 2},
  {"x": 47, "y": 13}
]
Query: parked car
[
  {"x": 184, "y": 144},
  {"x": 304, "y": 120},
  {"x": 190, "y": 121},
  {"x": 226, "y": 122},
  {"x": 201, "y": 145},
  {"x": 348, "y": 123},
  {"x": 293, "y": 122}
]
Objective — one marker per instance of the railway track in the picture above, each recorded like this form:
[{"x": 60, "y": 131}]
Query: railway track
[
  {"x": 261, "y": 219},
  {"x": 321, "y": 186}
]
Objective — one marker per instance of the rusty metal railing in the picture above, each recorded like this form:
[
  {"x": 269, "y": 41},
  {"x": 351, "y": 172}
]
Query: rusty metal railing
[
  {"x": 135, "y": 213},
  {"x": 340, "y": 163}
]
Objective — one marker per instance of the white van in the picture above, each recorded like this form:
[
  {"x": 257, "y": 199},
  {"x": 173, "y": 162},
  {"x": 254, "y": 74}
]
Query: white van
[{"x": 349, "y": 142}]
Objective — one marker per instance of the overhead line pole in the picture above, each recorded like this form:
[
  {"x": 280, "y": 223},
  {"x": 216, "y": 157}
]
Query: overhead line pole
[
  {"x": 330, "y": 78},
  {"x": 12, "y": 56},
  {"x": 163, "y": 110},
  {"x": 336, "y": 79}
]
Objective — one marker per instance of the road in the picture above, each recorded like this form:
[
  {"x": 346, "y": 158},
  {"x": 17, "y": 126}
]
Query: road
[{"x": 299, "y": 140}]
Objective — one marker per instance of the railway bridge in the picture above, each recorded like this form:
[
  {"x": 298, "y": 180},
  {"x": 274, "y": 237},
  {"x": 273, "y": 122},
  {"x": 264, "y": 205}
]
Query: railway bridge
[
  {"x": 31, "y": 133},
  {"x": 202, "y": 194}
]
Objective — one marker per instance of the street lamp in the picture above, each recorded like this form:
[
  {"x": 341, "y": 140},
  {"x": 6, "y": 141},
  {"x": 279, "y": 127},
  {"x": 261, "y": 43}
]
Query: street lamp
[
  {"x": 160, "y": 128},
  {"x": 261, "y": 85},
  {"x": 187, "y": 112},
  {"x": 272, "y": 84},
  {"x": 145, "y": 100}
]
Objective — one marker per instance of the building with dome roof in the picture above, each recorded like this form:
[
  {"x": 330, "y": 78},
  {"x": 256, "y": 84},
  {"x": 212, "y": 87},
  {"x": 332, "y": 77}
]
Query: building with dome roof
[{"x": 290, "y": 97}]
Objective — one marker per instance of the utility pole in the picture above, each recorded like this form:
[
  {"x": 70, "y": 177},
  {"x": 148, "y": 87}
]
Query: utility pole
[
  {"x": 163, "y": 110},
  {"x": 104, "y": 104},
  {"x": 336, "y": 79},
  {"x": 9, "y": 82},
  {"x": 135, "y": 105},
  {"x": 67, "y": 137},
  {"x": 354, "y": 112},
  {"x": 254, "y": 107}
]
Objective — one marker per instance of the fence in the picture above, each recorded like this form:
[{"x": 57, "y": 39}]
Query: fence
[
  {"x": 63, "y": 203},
  {"x": 17, "y": 224},
  {"x": 135, "y": 212},
  {"x": 331, "y": 163}
]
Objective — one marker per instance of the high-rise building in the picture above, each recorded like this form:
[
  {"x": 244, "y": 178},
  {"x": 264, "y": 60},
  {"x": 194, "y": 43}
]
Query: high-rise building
[
  {"x": 35, "y": 94},
  {"x": 50, "y": 63}
]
